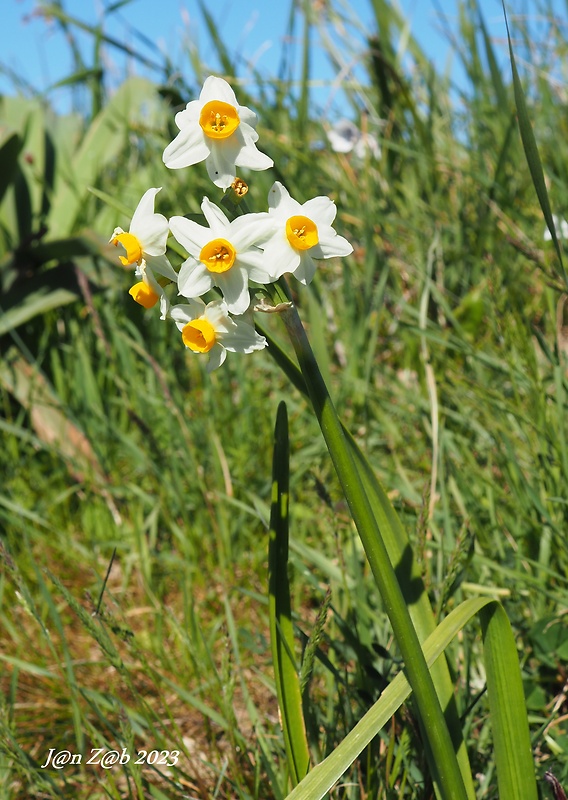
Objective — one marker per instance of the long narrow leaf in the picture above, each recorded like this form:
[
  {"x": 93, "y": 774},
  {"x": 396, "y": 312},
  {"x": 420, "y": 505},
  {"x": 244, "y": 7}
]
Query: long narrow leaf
[
  {"x": 9, "y": 152},
  {"x": 498, "y": 85},
  {"x": 531, "y": 152},
  {"x": 280, "y": 614},
  {"x": 511, "y": 739},
  {"x": 324, "y": 775},
  {"x": 514, "y": 734},
  {"x": 407, "y": 570},
  {"x": 102, "y": 143},
  {"x": 438, "y": 744},
  {"x": 55, "y": 11}
]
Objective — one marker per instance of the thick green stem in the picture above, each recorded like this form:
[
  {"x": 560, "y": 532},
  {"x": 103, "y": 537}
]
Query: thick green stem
[{"x": 443, "y": 762}]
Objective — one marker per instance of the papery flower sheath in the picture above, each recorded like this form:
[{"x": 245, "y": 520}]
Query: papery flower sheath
[
  {"x": 301, "y": 233},
  {"x": 217, "y": 130},
  {"x": 210, "y": 329},
  {"x": 222, "y": 255},
  {"x": 145, "y": 246}
]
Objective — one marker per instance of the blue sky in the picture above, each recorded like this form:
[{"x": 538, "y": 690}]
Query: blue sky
[{"x": 37, "y": 53}]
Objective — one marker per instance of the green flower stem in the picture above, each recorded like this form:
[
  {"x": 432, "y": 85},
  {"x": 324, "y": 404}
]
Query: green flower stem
[{"x": 443, "y": 762}]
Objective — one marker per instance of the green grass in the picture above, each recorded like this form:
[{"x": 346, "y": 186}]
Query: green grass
[{"x": 443, "y": 338}]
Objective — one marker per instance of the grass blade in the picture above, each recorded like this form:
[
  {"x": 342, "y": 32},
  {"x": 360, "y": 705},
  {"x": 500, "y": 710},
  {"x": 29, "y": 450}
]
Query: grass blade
[
  {"x": 511, "y": 739},
  {"x": 9, "y": 152},
  {"x": 402, "y": 558},
  {"x": 227, "y": 64},
  {"x": 281, "y": 628},
  {"x": 103, "y": 142},
  {"x": 440, "y": 750},
  {"x": 514, "y": 761},
  {"x": 324, "y": 775},
  {"x": 531, "y": 152}
]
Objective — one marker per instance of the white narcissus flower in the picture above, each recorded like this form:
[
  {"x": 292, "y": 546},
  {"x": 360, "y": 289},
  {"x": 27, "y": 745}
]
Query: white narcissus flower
[
  {"x": 145, "y": 246},
  {"x": 210, "y": 329},
  {"x": 301, "y": 233},
  {"x": 217, "y": 130},
  {"x": 223, "y": 255}
]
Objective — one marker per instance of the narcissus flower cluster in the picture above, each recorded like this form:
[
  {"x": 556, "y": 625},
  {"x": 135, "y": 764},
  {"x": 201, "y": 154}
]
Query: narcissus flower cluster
[
  {"x": 224, "y": 255},
  {"x": 145, "y": 246}
]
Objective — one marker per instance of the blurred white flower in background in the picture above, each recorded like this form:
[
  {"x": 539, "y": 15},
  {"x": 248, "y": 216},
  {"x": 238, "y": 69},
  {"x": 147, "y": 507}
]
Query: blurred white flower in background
[
  {"x": 561, "y": 226},
  {"x": 345, "y": 137}
]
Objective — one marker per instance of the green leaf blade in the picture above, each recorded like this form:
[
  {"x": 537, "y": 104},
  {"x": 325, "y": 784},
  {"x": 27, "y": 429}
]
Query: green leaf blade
[
  {"x": 280, "y": 613},
  {"x": 511, "y": 738},
  {"x": 531, "y": 152}
]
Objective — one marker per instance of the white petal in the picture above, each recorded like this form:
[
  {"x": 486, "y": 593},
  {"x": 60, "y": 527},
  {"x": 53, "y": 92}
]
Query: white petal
[
  {"x": 280, "y": 257},
  {"x": 249, "y": 156},
  {"x": 149, "y": 279},
  {"x": 162, "y": 266},
  {"x": 145, "y": 272},
  {"x": 189, "y": 115},
  {"x": 217, "y": 219},
  {"x": 186, "y": 312},
  {"x": 217, "y": 356},
  {"x": 331, "y": 245},
  {"x": 217, "y": 313},
  {"x": 145, "y": 208},
  {"x": 217, "y": 89},
  {"x": 152, "y": 231},
  {"x": 194, "y": 278},
  {"x": 234, "y": 285},
  {"x": 250, "y": 229},
  {"x": 221, "y": 162},
  {"x": 321, "y": 210},
  {"x": 343, "y": 136},
  {"x": 189, "y": 147},
  {"x": 367, "y": 144},
  {"x": 280, "y": 204},
  {"x": 278, "y": 194},
  {"x": 267, "y": 228},
  {"x": 338, "y": 143},
  {"x": 243, "y": 339},
  {"x": 164, "y": 306},
  {"x": 307, "y": 269},
  {"x": 248, "y": 134},
  {"x": 190, "y": 234},
  {"x": 248, "y": 117},
  {"x": 257, "y": 266}
]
